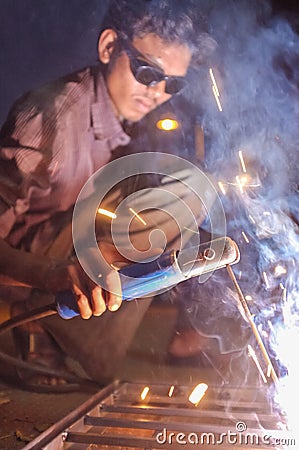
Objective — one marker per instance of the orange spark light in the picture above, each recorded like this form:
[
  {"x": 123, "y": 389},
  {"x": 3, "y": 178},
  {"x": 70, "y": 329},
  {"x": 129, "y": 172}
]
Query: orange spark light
[{"x": 198, "y": 393}]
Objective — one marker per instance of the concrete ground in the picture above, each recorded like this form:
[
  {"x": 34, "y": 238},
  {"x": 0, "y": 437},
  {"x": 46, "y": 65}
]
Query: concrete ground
[{"x": 24, "y": 414}]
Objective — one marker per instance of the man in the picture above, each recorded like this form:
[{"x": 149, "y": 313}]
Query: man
[{"x": 57, "y": 137}]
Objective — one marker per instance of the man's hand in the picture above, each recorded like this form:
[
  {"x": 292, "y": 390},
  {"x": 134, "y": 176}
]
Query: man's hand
[{"x": 93, "y": 299}]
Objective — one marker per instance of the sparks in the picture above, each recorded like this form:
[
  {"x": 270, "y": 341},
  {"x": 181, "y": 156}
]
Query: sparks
[
  {"x": 137, "y": 215},
  {"x": 254, "y": 357},
  {"x": 214, "y": 82},
  {"x": 271, "y": 326},
  {"x": 217, "y": 99},
  {"x": 107, "y": 213},
  {"x": 198, "y": 393},
  {"x": 144, "y": 393},
  {"x": 239, "y": 183},
  {"x": 221, "y": 187},
  {"x": 245, "y": 237},
  {"x": 266, "y": 280},
  {"x": 215, "y": 89},
  {"x": 170, "y": 392},
  {"x": 242, "y": 161},
  {"x": 279, "y": 270},
  {"x": 248, "y": 298},
  {"x": 251, "y": 219}
]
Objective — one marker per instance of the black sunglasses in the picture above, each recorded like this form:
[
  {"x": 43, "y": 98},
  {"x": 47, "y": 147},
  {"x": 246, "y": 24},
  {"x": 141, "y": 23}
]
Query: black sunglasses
[{"x": 147, "y": 74}]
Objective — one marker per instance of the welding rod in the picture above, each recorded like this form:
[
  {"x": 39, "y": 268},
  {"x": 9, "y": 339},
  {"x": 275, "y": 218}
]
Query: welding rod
[{"x": 249, "y": 316}]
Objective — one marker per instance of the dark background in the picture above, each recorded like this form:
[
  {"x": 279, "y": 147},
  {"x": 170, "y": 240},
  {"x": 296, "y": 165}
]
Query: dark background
[{"x": 41, "y": 40}]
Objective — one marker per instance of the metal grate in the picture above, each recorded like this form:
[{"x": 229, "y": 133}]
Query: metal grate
[{"x": 117, "y": 418}]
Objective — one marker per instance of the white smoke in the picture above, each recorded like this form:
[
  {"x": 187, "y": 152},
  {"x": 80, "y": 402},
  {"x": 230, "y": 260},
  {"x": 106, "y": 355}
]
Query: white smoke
[{"x": 256, "y": 69}]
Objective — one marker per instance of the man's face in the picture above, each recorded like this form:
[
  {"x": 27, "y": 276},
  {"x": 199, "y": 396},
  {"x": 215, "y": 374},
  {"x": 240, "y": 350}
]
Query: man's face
[{"x": 133, "y": 100}]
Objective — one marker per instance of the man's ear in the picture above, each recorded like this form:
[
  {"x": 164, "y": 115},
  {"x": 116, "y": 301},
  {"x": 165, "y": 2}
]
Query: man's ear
[{"x": 106, "y": 45}]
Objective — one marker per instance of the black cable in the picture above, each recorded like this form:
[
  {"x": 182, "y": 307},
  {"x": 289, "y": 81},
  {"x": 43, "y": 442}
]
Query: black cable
[{"x": 29, "y": 316}]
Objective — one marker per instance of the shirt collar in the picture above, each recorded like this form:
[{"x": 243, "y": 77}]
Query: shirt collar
[{"x": 105, "y": 123}]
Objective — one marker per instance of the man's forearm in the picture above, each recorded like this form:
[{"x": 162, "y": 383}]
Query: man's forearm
[{"x": 22, "y": 268}]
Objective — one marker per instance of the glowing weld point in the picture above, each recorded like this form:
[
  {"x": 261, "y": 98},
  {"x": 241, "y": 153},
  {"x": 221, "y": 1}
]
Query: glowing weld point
[
  {"x": 221, "y": 187},
  {"x": 245, "y": 237},
  {"x": 254, "y": 357},
  {"x": 198, "y": 393},
  {"x": 137, "y": 216},
  {"x": 266, "y": 280},
  {"x": 144, "y": 393},
  {"x": 107, "y": 213},
  {"x": 170, "y": 392},
  {"x": 242, "y": 161}
]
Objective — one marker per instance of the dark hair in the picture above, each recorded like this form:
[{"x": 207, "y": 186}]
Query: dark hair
[{"x": 179, "y": 21}]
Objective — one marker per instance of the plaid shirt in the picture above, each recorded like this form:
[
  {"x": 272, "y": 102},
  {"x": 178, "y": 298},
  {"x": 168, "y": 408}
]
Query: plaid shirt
[{"x": 54, "y": 139}]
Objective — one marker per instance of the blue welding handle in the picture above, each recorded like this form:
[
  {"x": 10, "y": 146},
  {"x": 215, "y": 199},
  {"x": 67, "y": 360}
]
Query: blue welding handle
[{"x": 137, "y": 280}]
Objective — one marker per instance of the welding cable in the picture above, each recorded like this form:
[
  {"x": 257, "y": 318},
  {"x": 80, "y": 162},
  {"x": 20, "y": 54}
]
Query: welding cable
[{"x": 75, "y": 383}]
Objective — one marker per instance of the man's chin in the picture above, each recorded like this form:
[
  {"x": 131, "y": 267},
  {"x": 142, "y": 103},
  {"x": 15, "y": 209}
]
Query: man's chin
[{"x": 135, "y": 116}]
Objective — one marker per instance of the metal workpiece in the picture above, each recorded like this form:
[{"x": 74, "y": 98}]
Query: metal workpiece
[{"x": 158, "y": 416}]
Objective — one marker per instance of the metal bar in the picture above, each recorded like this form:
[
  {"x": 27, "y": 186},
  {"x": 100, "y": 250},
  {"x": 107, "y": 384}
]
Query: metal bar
[
  {"x": 92, "y": 422},
  {"x": 120, "y": 441},
  {"x": 60, "y": 426},
  {"x": 176, "y": 412},
  {"x": 150, "y": 443},
  {"x": 155, "y": 400},
  {"x": 159, "y": 425}
]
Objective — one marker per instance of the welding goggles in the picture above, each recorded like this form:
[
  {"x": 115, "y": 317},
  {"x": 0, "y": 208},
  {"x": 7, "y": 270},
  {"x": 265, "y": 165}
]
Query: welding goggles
[{"x": 146, "y": 73}]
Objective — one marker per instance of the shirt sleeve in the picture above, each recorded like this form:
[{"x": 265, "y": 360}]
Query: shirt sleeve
[{"x": 25, "y": 154}]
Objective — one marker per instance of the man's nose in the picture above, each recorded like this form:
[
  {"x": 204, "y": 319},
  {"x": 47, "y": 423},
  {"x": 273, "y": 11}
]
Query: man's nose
[{"x": 157, "y": 92}]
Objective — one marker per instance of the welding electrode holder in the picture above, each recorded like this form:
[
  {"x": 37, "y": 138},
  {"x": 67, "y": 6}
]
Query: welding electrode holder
[{"x": 143, "y": 279}]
